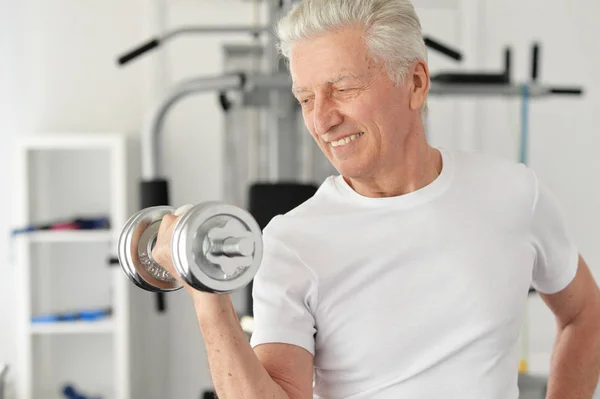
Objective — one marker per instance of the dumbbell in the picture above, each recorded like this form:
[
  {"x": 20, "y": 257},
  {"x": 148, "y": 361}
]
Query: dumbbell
[{"x": 216, "y": 247}]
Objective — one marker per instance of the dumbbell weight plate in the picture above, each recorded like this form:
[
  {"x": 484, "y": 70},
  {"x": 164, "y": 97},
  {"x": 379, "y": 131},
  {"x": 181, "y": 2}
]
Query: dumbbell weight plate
[
  {"x": 135, "y": 246},
  {"x": 194, "y": 236}
]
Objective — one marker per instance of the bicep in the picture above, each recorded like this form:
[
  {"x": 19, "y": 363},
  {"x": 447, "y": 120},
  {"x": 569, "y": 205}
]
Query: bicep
[
  {"x": 290, "y": 366},
  {"x": 579, "y": 298}
]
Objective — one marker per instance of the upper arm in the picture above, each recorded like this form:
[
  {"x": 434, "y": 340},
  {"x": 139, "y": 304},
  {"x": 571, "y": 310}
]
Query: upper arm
[
  {"x": 556, "y": 255},
  {"x": 285, "y": 296},
  {"x": 289, "y": 366},
  {"x": 579, "y": 300},
  {"x": 560, "y": 274}
]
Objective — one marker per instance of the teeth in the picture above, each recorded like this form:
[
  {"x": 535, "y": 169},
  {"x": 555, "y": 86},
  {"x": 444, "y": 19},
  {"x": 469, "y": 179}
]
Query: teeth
[{"x": 346, "y": 140}]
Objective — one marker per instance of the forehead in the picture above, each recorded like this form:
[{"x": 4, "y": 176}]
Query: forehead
[{"x": 328, "y": 57}]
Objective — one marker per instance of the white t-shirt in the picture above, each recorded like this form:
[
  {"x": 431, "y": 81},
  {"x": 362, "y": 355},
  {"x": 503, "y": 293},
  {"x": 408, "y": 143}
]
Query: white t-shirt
[{"x": 416, "y": 296}]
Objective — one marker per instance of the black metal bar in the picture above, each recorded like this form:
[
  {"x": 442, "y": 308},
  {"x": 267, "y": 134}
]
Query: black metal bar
[
  {"x": 508, "y": 63},
  {"x": 442, "y": 48},
  {"x": 138, "y": 51},
  {"x": 535, "y": 62},
  {"x": 575, "y": 91},
  {"x": 155, "y": 193},
  {"x": 113, "y": 261}
]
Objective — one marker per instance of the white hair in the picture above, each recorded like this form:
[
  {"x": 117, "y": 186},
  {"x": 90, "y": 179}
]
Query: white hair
[{"x": 392, "y": 29}]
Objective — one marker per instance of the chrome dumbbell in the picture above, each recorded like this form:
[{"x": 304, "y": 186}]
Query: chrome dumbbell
[{"x": 216, "y": 248}]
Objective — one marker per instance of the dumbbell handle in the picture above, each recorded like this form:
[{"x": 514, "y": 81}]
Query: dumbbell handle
[
  {"x": 230, "y": 246},
  {"x": 233, "y": 246}
]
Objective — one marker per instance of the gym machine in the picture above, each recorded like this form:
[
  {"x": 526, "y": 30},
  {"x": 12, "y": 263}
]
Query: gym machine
[{"x": 274, "y": 166}]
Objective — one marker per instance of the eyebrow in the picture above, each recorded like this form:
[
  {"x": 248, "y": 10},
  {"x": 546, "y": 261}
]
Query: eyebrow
[{"x": 337, "y": 79}]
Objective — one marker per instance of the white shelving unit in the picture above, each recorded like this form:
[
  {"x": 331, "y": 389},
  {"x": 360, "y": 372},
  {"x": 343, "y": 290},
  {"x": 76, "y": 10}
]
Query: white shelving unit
[
  {"x": 42, "y": 277},
  {"x": 69, "y": 236},
  {"x": 75, "y": 327}
]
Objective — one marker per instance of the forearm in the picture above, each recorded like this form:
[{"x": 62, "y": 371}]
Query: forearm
[
  {"x": 575, "y": 365},
  {"x": 235, "y": 369}
]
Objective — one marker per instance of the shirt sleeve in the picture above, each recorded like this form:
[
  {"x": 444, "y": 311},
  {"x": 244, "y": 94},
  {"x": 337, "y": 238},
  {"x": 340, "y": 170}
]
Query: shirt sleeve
[
  {"x": 556, "y": 254},
  {"x": 284, "y": 295}
]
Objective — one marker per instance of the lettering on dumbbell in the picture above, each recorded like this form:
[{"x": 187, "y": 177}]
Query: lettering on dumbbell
[{"x": 154, "y": 269}]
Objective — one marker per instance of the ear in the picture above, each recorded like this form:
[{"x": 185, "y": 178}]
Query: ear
[{"x": 420, "y": 85}]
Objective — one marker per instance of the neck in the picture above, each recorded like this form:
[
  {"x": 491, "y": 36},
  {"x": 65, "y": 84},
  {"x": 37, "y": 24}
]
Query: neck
[{"x": 415, "y": 166}]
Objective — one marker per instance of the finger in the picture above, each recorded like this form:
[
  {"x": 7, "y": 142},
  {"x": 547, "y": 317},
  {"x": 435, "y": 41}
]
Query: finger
[
  {"x": 169, "y": 220},
  {"x": 161, "y": 252},
  {"x": 162, "y": 248},
  {"x": 166, "y": 224},
  {"x": 181, "y": 210}
]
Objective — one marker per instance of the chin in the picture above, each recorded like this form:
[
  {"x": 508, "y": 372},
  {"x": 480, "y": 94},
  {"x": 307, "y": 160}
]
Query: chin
[{"x": 350, "y": 169}]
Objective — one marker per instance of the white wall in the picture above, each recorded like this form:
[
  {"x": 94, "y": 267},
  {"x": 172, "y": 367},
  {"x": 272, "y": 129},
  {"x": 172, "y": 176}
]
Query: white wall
[
  {"x": 8, "y": 23},
  {"x": 58, "y": 74},
  {"x": 563, "y": 131}
]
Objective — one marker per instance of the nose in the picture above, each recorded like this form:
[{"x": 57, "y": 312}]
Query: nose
[{"x": 326, "y": 115}]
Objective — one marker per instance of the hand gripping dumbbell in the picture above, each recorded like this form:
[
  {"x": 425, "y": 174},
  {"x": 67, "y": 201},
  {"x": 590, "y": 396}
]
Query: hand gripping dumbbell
[{"x": 215, "y": 248}]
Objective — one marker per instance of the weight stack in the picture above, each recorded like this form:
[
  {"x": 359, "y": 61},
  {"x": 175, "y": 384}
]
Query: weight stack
[
  {"x": 154, "y": 193},
  {"x": 267, "y": 200}
]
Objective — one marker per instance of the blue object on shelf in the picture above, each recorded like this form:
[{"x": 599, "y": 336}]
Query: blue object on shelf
[
  {"x": 93, "y": 224},
  {"x": 24, "y": 230},
  {"x": 91, "y": 315},
  {"x": 83, "y": 315},
  {"x": 98, "y": 223},
  {"x": 68, "y": 316},
  {"x": 70, "y": 392},
  {"x": 45, "y": 319}
]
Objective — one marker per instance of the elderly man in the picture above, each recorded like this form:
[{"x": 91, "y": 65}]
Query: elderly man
[{"x": 407, "y": 275}]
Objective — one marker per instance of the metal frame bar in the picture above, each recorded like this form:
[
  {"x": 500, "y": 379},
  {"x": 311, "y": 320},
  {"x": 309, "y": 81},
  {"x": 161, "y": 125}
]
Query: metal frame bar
[
  {"x": 152, "y": 130},
  {"x": 3, "y": 373},
  {"x": 207, "y": 29}
]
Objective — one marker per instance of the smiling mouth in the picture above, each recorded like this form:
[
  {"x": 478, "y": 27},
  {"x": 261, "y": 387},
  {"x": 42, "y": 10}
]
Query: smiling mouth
[{"x": 345, "y": 140}]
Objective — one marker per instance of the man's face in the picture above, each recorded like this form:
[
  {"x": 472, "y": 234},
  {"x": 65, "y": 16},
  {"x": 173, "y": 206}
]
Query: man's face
[{"x": 351, "y": 107}]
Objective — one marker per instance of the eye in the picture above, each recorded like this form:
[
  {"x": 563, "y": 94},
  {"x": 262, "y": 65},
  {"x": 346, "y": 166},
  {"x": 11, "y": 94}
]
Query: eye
[{"x": 304, "y": 101}]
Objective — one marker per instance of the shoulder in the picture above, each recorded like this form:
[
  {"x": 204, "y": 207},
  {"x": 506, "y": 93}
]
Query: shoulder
[
  {"x": 293, "y": 227},
  {"x": 494, "y": 184},
  {"x": 490, "y": 162},
  {"x": 492, "y": 170}
]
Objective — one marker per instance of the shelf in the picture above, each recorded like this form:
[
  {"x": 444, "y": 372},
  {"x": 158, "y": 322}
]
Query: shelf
[
  {"x": 63, "y": 177},
  {"x": 497, "y": 90},
  {"x": 74, "y": 327},
  {"x": 437, "y": 88},
  {"x": 68, "y": 236},
  {"x": 71, "y": 141}
]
